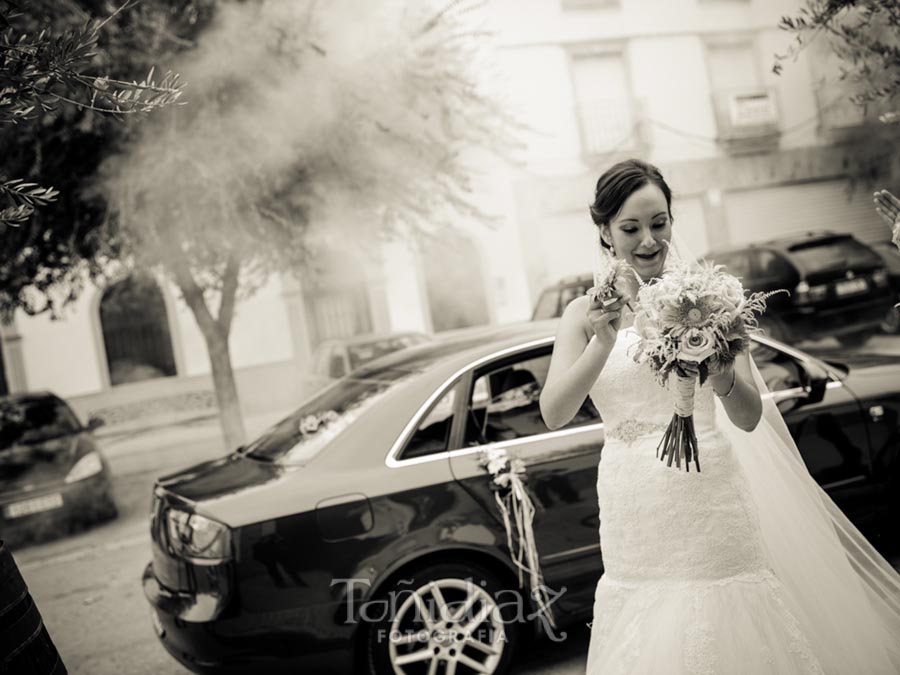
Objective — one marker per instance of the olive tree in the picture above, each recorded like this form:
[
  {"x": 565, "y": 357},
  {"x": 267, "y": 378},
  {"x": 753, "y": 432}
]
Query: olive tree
[{"x": 297, "y": 110}]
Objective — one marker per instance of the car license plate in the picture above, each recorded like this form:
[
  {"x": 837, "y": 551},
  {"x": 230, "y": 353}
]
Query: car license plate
[
  {"x": 30, "y": 506},
  {"x": 157, "y": 624},
  {"x": 851, "y": 286}
]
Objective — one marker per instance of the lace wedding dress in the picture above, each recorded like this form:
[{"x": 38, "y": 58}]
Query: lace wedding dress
[{"x": 687, "y": 585}]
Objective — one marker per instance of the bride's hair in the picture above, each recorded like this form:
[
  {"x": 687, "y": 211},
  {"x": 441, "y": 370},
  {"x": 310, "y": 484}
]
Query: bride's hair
[{"x": 618, "y": 183}]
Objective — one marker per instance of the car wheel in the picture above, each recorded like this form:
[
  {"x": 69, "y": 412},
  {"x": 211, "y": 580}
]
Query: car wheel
[
  {"x": 891, "y": 322},
  {"x": 774, "y": 329},
  {"x": 108, "y": 509},
  {"x": 857, "y": 339},
  {"x": 443, "y": 618},
  {"x": 103, "y": 509}
]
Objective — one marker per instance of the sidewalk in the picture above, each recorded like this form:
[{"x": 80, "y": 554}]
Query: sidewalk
[{"x": 172, "y": 431}]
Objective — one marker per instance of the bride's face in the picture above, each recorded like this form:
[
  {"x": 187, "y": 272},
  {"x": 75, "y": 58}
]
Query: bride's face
[{"x": 640, "y": 232}]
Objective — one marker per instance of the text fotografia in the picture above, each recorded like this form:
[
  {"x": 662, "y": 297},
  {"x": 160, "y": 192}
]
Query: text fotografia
[{"x": 419, "y": 612}]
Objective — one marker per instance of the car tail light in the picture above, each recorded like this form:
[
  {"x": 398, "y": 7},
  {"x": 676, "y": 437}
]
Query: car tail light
[
  {"x": 880, "y": 277},
  {"x": 804, "y": 293},
  {"x": 87, "y": 466},
  {"x": 197, "y": 538}
]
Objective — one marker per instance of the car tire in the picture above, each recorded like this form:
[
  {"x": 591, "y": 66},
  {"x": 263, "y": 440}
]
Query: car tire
[
  {"x": 108, "y": 509},
  {"x": 856, "y": 339},
  {"x": 458, "y": 584},
  {"x": 891, "y": 322}
]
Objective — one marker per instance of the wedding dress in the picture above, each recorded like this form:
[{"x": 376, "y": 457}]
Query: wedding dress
[{"x": 702, "y": 574}]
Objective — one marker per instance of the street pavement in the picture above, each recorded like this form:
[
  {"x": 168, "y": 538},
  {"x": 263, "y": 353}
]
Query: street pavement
[{"x": 87, "y": 587}]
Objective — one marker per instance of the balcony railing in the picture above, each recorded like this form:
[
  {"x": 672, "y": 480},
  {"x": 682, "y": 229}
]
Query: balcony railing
[
  {"x": 748, "y": 120},
  {"x": 609, "y": 125}
]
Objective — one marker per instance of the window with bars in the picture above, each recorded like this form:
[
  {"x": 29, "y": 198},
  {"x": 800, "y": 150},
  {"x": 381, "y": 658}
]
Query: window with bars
[
  {"x": 747, "y": 114},
  {"x": 605, "y": 109},
  {"x": 338, "y": 313},
  {"x": 135, "y": 329}
]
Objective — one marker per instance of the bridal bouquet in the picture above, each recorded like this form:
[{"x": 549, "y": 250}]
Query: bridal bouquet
[{"x": 696, "y": 316}]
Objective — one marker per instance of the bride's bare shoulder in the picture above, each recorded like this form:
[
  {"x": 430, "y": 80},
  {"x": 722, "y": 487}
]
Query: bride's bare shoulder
[{"x": 574, "y": 316}]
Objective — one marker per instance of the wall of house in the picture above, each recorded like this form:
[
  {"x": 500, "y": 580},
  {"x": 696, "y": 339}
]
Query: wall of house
[
  {"x": 678, "y": 59},
  {"x": 67, "y": 355}
]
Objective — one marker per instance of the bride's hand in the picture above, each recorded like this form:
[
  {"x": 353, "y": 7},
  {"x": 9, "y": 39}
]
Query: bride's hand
[
  {"x": 721, "y": 375},
  {"x": 606, "y": 320}
]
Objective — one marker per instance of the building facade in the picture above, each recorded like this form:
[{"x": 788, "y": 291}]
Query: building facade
[
  {"x": 688, "y": 85},
  {"x": 685, "y": 84}
]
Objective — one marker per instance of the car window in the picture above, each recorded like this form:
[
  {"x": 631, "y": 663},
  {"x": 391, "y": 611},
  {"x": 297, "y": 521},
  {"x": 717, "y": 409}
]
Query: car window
[
  {"x": 834, "y": 253},
  {"x": 35, "y": 420},
  {"x": 770, "y": 265},
  {"x": 336, "y": 365},
  {"x": 305, "y": 432},
  {"x": 547, "y": 306},
  {"x": 736, "y": 264},
  {"x": 778, "y": 370},
  {"x": 433, "y": 433},
  {"x": 504, "y": 403},
  {"x": 368, "y": 351}
]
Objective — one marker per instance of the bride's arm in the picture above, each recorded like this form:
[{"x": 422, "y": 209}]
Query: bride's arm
[
  {"x": 742, "y": 403},
  {"x": 578, "y": 358}
]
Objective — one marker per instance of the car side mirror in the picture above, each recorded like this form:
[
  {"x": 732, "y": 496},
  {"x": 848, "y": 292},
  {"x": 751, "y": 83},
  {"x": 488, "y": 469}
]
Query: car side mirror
[
  {"x": 95, "y": 422},
  {"x": 816, "y": 387}
]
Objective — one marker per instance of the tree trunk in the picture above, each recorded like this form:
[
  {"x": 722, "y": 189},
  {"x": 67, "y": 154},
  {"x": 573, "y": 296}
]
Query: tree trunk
[
  {"x": 230, "y": 418},
  {"x": 216, "y": 331}
]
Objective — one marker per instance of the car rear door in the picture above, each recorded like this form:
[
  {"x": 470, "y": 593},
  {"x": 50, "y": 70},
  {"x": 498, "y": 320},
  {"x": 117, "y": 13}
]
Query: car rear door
[{"x": 502, "y": 412}]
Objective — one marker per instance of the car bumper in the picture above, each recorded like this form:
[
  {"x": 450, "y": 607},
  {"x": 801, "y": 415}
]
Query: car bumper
[
  {"x": 235, "y": 642},
  {"x": 818, "y": 322},
  {"x": 84, "y": 502}
]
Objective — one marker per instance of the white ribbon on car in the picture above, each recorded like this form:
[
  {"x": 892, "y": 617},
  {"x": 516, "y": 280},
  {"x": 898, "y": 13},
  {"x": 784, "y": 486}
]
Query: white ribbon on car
[{"x": 517, "y": 511}]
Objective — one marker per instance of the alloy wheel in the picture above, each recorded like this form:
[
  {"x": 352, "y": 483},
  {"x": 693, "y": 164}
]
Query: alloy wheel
[{"x": 447, "y": 625}]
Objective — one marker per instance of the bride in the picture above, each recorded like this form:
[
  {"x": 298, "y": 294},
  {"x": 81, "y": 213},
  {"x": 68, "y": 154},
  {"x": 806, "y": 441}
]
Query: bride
[{"x": 746, "y": 567}]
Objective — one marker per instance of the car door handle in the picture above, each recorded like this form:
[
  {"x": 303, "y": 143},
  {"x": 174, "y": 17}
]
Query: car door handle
[{"x": 876, "y": 412}]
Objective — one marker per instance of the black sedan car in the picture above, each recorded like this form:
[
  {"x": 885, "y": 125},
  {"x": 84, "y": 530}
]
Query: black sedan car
[
  {"x": 361, "y": 533},
  {"x": 53, "y": 477}
]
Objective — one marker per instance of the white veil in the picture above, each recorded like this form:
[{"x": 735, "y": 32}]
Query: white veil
[{"x": 843, "y": 593}]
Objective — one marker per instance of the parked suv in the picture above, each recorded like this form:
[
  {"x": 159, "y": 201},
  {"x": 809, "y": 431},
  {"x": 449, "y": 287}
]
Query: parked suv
[
  {"x": 338, "y": 357},
  {"x": 553, "y": 299},
  {"x": 838, "y": 286}
]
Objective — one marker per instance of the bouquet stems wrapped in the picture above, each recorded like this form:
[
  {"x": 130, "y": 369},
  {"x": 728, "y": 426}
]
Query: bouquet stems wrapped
[{"x": 680, "y": 440}]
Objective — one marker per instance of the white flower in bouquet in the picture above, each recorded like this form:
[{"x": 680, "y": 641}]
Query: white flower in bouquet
[{"x": 697, "y": 315}]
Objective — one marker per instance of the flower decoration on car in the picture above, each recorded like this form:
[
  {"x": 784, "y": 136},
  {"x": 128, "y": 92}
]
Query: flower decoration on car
[
  {"x": 311, "y": 423},
  {"x": 508, "y": 476}
]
